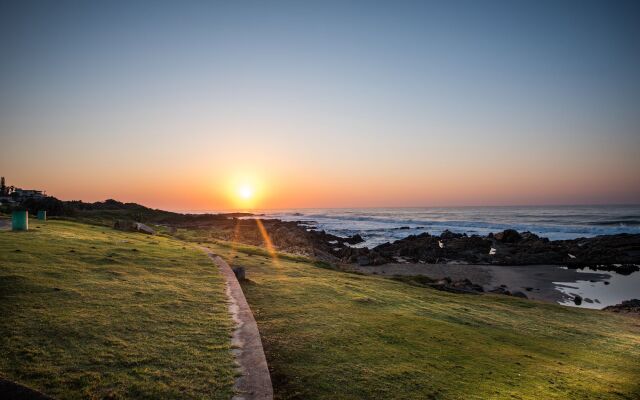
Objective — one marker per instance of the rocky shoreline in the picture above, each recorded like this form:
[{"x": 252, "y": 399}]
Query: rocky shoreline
[
  {"x": 619, "y": 253},
  {"x": 508, "y": 262}
]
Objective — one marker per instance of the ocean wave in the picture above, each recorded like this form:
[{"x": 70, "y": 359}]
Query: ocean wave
[
  {"x": 380, "y": 225},
  {"x": 621, "y": 223}
]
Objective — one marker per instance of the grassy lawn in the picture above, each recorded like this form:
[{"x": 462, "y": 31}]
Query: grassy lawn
[
  {"x": 89, "y": 312},
  {"x": 334, "y": 335}
]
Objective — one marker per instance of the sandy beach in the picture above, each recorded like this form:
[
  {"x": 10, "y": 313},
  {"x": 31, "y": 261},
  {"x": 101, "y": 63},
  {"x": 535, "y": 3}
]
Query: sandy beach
[{"x": 536, "y": 281}]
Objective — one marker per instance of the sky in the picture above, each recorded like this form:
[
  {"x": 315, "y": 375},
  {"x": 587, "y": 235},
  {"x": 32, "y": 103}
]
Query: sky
[{"x": 191, "y": 105}]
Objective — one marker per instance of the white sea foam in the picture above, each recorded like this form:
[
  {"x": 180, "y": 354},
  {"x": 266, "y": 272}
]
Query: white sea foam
[{"x": 382, "y": 224}]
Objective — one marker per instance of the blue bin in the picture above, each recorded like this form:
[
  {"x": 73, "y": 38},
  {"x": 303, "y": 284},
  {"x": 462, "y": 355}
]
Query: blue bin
[{"x": 20, "y": 220}]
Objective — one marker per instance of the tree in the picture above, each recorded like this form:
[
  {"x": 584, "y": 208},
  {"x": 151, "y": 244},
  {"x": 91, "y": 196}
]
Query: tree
[{"x": 3, "y": 187}]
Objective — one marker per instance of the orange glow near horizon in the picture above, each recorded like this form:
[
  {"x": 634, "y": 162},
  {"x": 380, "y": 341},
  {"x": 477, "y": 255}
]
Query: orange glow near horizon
[{"x": 293, "y": 181}]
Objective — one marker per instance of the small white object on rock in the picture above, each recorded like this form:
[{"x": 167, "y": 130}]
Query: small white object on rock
[
  {"x": 492, "y": 251},
  {"x": 571, "y": 256},
  {"x": 440, "y": 244}
]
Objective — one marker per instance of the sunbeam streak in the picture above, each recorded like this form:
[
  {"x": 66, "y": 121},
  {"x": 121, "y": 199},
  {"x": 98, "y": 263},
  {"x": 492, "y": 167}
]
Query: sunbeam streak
[{"x": 267, "y": 241}]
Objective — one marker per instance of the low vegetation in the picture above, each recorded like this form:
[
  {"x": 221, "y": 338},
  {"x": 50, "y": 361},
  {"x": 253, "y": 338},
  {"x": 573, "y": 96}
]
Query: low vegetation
[
  {"x": 335, "y": 335},
  {"x": 89, "y": 312}
]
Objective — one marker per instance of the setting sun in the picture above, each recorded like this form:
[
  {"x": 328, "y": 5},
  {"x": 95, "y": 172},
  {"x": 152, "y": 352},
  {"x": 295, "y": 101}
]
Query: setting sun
[{"x": 245, "y": 192}]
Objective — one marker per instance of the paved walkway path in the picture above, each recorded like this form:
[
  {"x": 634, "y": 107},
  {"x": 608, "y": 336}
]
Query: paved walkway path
[{"x": 255, "y": 381}]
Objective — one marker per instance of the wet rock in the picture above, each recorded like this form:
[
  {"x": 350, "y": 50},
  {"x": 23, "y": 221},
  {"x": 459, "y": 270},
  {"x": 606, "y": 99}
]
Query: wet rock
[
  {"x": 508, "y": 236},
  {"x": 355, "y": 239},
  {"x": 529, "y": 236},
  {"x": 447, "y": 234},
  {"x": 512, "y": 248},
  {"x": 577, "y": 300},
  {"x": 500, "y": 290}
]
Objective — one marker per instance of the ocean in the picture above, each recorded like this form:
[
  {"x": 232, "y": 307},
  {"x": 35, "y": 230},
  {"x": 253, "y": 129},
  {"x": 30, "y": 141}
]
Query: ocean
[{"x": 379, "y": 225}]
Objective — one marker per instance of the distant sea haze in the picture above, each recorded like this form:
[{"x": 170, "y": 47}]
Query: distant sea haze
[{"x": 379, "y": 225}]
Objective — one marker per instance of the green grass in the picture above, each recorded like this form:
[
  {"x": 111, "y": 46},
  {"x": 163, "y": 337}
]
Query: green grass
[
  {"x": 89, "y": 312},
  {"x": 334, "y": 335}
]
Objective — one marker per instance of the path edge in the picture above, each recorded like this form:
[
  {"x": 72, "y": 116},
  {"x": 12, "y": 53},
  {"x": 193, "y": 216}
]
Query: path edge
[{"x": 254, "y": 382}]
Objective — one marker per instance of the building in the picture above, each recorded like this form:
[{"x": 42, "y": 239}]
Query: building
[
  {"x": 13, "y": 195},
  {"x": 23, "y": 194}
]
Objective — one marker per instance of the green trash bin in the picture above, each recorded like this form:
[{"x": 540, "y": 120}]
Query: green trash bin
[
  {"x": 42, "y": 215},
  {"x": 20, "y": 220}
]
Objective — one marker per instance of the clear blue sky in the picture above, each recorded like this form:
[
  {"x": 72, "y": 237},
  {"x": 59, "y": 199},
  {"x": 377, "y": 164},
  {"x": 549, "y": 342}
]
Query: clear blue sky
[{"x": 323, "y": 104}]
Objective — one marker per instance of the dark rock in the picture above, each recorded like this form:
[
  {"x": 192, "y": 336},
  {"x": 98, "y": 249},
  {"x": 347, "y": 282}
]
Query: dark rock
[
  {"x": 577, "y": 300},
  {"x": 444, "y": 281},
  {"x": 626, "y": 307},
  {"x": 363, "y": 261},
  {"x": 508, "y": 236},
  {"x": 459, "y": 286},
  {"x": 529, "y": 236},
  {"x": 447, "y": 234},
  {"x": 519, "y": 294},
  {"x": 131, "y": 226},
  {"x": 512, "y": 248},
  {"x": 500, "y": 290},
  {"x": 239, "y": 273},
  {"x": 355, "y": 239}
]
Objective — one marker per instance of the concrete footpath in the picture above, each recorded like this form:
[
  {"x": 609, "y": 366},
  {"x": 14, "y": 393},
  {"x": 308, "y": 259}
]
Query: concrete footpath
[{"x": 255, "y": 381}]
